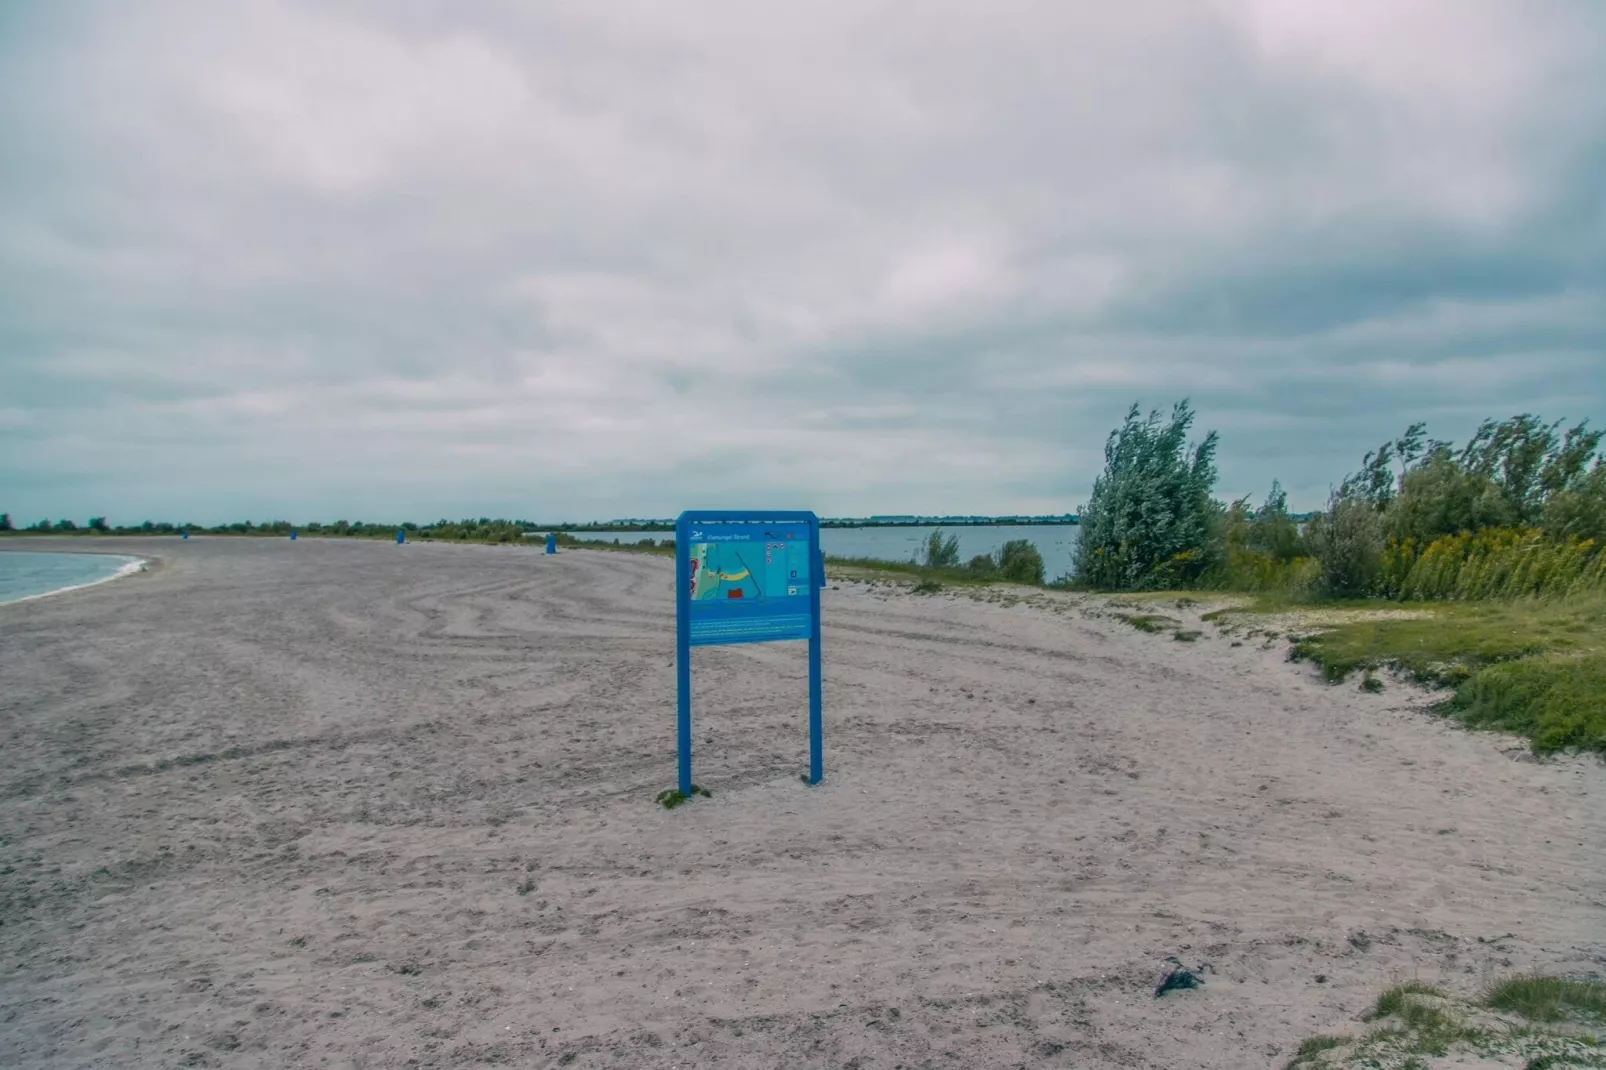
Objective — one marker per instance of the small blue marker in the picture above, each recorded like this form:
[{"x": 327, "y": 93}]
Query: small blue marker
[
  {"x": 401, "y": 536},
  {"x": 551, "y": 543}
]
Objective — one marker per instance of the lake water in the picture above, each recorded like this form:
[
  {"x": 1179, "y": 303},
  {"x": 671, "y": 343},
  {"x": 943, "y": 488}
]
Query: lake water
[
  {"x": 1056, "y": 542},
  {"x": 26, "y": 574}
]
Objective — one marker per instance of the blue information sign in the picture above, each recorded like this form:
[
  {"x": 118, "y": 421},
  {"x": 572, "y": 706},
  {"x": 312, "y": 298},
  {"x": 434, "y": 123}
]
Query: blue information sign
[{"x": 746, "y": 577}]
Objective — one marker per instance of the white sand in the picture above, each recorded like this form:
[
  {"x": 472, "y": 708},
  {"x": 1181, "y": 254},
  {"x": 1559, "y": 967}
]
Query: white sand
[{"x": 274, "y": 804}]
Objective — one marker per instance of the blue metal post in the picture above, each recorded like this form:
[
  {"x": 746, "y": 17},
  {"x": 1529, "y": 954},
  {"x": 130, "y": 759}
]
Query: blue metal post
[
  {"x": 551, "y": 542},
  {"x": 292, "y": 534},
  {"x": 401, "y": 536},
  {"x": 683, "y": 651},
  {"x": 184, "y": 535},
  {"x": 816, "y": 734}
]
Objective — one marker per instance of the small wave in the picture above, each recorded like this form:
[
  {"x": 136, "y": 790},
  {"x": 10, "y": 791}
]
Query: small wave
[{"x": 130, "y": 566}]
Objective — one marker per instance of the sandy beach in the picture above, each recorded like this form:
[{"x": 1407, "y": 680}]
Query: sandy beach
[{"x": 352, "y": 804}]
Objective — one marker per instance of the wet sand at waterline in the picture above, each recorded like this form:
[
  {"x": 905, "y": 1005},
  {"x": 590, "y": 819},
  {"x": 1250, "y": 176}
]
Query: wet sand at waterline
[{"x": 356, "y": 804}]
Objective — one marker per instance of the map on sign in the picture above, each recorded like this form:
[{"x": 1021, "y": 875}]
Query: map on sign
[
  {"x": 748, "y": 582},
  {"x": 749, "y": 570}
]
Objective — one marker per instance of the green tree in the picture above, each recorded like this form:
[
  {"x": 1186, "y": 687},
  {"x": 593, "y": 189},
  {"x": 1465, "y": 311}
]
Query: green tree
[
  {"x": 98, "y": 523},
  {"x": 5, "y": 522},
  {"x": 1019, "y": 562},
  {"x": 1151, "y": 521},
  {"x": 65, "y": 525},
  {"x": 1271, "y": 531},
  {"x": 1441, "y": 496},
  {"x": 1579, "y": 510},
  {"x": 941, "y": 552},
  {"x": 1526, "y": 461},
  {"x": 1347, "y": 541}
]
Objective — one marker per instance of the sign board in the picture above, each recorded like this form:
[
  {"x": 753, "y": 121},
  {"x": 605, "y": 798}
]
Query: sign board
[{"x": 746, "y": 577}]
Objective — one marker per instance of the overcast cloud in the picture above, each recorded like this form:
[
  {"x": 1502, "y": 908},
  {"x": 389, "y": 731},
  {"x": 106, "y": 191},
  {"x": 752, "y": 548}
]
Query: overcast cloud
[{"x": 409, "y": 260}]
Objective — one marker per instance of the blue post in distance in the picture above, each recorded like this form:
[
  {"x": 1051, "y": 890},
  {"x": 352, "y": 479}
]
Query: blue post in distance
[
  {"x": 184, "y": 534},
  {"x": 292, "y": 534},
  {"x": 551, "y": 542},
  {"x": 401, "y": 536}
]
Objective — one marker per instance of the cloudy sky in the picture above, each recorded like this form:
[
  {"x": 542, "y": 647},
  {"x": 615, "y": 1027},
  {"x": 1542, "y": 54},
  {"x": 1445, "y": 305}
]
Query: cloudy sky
[{"x": 420, "y": 259}]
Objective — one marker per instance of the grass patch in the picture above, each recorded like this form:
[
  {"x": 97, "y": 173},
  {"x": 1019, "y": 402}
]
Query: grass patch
[
  {"x": 1558, "y": 701},
  {"x": 1392, "y": 1002},
  {"x": 1424, "y": 1023},
  {"x": 1147, "y": 622},
  {"x": 1549, "y": 999},
  {"x": 1455, "y": 639},
  {"x": 1186, "y": 637},
  {"x": 927, "y": 586},
  {"x": 670, "y": 798},
  {"x": 1535, "y": 668},
  {"x": 1314, "y": 1046}
]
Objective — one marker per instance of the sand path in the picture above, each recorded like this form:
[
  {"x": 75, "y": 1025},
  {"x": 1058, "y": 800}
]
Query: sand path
[{"x": 353, "y": 804}]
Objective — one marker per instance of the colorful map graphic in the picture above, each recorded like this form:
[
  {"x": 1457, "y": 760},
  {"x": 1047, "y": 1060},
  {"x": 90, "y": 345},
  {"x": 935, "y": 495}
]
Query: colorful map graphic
[{"x": 749, "y": 570}]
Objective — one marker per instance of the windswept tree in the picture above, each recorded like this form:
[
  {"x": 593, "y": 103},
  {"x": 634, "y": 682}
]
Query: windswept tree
[
  {"x": 1151, "y": 522},
  {"x": 5, "y": 522},
  {"x": 941, "y": 552}
]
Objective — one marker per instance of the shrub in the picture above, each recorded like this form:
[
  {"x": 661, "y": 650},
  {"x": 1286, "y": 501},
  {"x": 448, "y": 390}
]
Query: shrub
[
  {"x": 1558, "y": 700},
  {"x": 1151, "y": 522},
  {"x": 1271, "y": 531},
  {"x": 1501, "y": 564},
  {"x": 982, "y": 565},
  {"x": 941, "y": 552},
  {"x": 1579, "y": 511},
  {"x": 1347, "y": 543},
  {"x": 1019, "y": 562},
  {"x": 1548, "y": 999}
]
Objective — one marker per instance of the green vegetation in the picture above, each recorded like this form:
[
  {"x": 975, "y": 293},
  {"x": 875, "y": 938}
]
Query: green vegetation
[
  {"x": 1147, "y": 622},
  {"x": 1392, "y": 1003},
  {"x": 940, "y": 552},
  {"x": 1533, "y": 667},
  {"x": 1479, "y": 568},
  {"x": 1017, "y": 561},
  {"x": 670, "y": 798},
  {"x": 1549, "y": 999},
  {"x": 1151, "y": 523},
  {"x": 1313, "y": 1046},
  {"x": 1559, "y": 1025}
]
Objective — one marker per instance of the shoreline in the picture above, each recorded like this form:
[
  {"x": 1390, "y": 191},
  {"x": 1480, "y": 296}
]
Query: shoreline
[{"x": 132, "y": 565}]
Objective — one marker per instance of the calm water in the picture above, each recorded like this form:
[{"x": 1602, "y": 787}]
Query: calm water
[
  {"x": 1054, "y": 541},
  {"x": 24, "y": 574}
]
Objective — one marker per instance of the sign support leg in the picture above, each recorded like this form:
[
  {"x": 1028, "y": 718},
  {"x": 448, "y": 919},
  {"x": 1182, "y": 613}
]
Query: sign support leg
[
  {"x": 816, "y": 741},
  {"x": 816, "y": 735}
]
